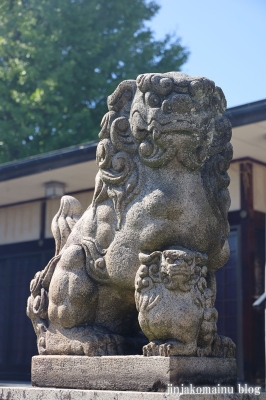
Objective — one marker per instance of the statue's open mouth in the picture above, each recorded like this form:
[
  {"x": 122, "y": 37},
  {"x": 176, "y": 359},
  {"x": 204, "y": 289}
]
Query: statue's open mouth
[
  {"x": 175, "y": 126},
  {"x": 165, "y": 122},
  {"x": 166, "y": 125}
]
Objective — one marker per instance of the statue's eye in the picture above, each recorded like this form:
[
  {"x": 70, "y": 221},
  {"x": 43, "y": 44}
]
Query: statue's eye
[{"x": 154, "y": 100}]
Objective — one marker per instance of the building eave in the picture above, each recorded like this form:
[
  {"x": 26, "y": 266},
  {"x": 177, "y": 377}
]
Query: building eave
[
  {"x": 239, "y": 116},
  {"x": 247, "y": 113},
  {"x": 48, "y": 161}
]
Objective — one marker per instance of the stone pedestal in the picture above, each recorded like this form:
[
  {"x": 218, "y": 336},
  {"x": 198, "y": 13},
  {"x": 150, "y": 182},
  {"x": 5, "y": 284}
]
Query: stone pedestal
[
  {"x": 134, "y": 373},
  {"x": 12, "y": 393}
]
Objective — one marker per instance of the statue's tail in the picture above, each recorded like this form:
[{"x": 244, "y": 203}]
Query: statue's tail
[
  {"x": 37, "y": 307},
  {"x": 63, "y": 222}
]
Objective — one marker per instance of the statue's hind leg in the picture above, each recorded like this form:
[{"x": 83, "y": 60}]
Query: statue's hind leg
[
  {"x": 70, "y": 326},
  {"x": 73, "y": 296}
]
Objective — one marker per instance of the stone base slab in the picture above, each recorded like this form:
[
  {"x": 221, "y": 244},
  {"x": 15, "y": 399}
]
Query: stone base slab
[
  {"x": 134, "y": 373},
  {"x": 12, "y": 393}
]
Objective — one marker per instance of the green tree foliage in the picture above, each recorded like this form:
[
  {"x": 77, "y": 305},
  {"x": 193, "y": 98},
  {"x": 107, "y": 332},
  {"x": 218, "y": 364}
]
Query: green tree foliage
[{"x": 60, "y": 59}]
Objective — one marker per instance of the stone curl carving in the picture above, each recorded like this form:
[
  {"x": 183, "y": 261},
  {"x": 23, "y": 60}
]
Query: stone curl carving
[{"x": 158, "y": 220}]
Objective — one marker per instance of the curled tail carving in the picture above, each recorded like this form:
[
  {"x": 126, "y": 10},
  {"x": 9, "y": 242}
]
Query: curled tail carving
[
  {"x": 37, "y": 307},
  {"x": 63, "y": 222}
]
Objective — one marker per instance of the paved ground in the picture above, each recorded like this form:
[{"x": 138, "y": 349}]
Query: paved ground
[{"x": 14, "y": 384}]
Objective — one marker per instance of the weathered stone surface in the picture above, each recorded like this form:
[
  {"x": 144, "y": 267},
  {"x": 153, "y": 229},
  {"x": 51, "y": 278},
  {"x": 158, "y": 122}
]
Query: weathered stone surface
[
  {"x": 9, "y": 393},
  {"x": 154, "y": 235},
  {"x": 135, "y": 373}
]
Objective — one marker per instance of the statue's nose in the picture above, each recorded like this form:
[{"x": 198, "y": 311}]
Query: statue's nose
[
  {"x": 154, "y": 114},
  {"x": 179, "y": 103}
]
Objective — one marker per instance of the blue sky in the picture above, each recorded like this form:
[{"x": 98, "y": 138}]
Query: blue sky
[{"x": 226, "y": 39}]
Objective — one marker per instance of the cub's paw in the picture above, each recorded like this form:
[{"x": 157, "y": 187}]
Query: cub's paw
[
  {"x": 204, "y": 351},
  {"x": 223, "y": 347}
]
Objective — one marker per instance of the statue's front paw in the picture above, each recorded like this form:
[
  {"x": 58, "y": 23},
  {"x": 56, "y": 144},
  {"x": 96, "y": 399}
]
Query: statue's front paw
[
  {"x": 152, "y": 349},
  {"x": 176, "y": 348},
  {"x": 223, "y": 347},
  {"x": 169, "y": 348}
]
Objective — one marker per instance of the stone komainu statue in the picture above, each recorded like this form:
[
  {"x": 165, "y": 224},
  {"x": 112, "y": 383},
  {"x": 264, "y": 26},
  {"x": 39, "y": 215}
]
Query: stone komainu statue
[{"x": 144, "y": 253}]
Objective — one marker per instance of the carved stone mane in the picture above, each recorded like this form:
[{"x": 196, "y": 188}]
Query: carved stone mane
[{"x": 127, "y": 135}]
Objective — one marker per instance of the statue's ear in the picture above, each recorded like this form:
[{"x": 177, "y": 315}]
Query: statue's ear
[
  {"x": 119, "y": 99},
  {"x": 222, "y": 135}
]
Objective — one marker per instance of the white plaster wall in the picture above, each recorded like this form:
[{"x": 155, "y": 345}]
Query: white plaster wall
[
  {"x": 52, "y": 206},
  {"x": 20, "y": 223},
  {"x": 85, "y": 198},
  {"x": 259, "y": 187},
  {"x": 234, "y": 187}
]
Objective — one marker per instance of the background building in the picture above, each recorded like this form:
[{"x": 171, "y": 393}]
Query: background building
[{"x": 26, "y": 242}]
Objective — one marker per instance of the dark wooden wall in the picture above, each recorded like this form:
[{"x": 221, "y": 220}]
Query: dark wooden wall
[
  {"x": 18, "y": 265},
  {"x": 251, "y": 324}
]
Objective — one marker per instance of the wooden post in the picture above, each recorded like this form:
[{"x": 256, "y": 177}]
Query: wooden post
[{"x": 247, "y": 261}]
